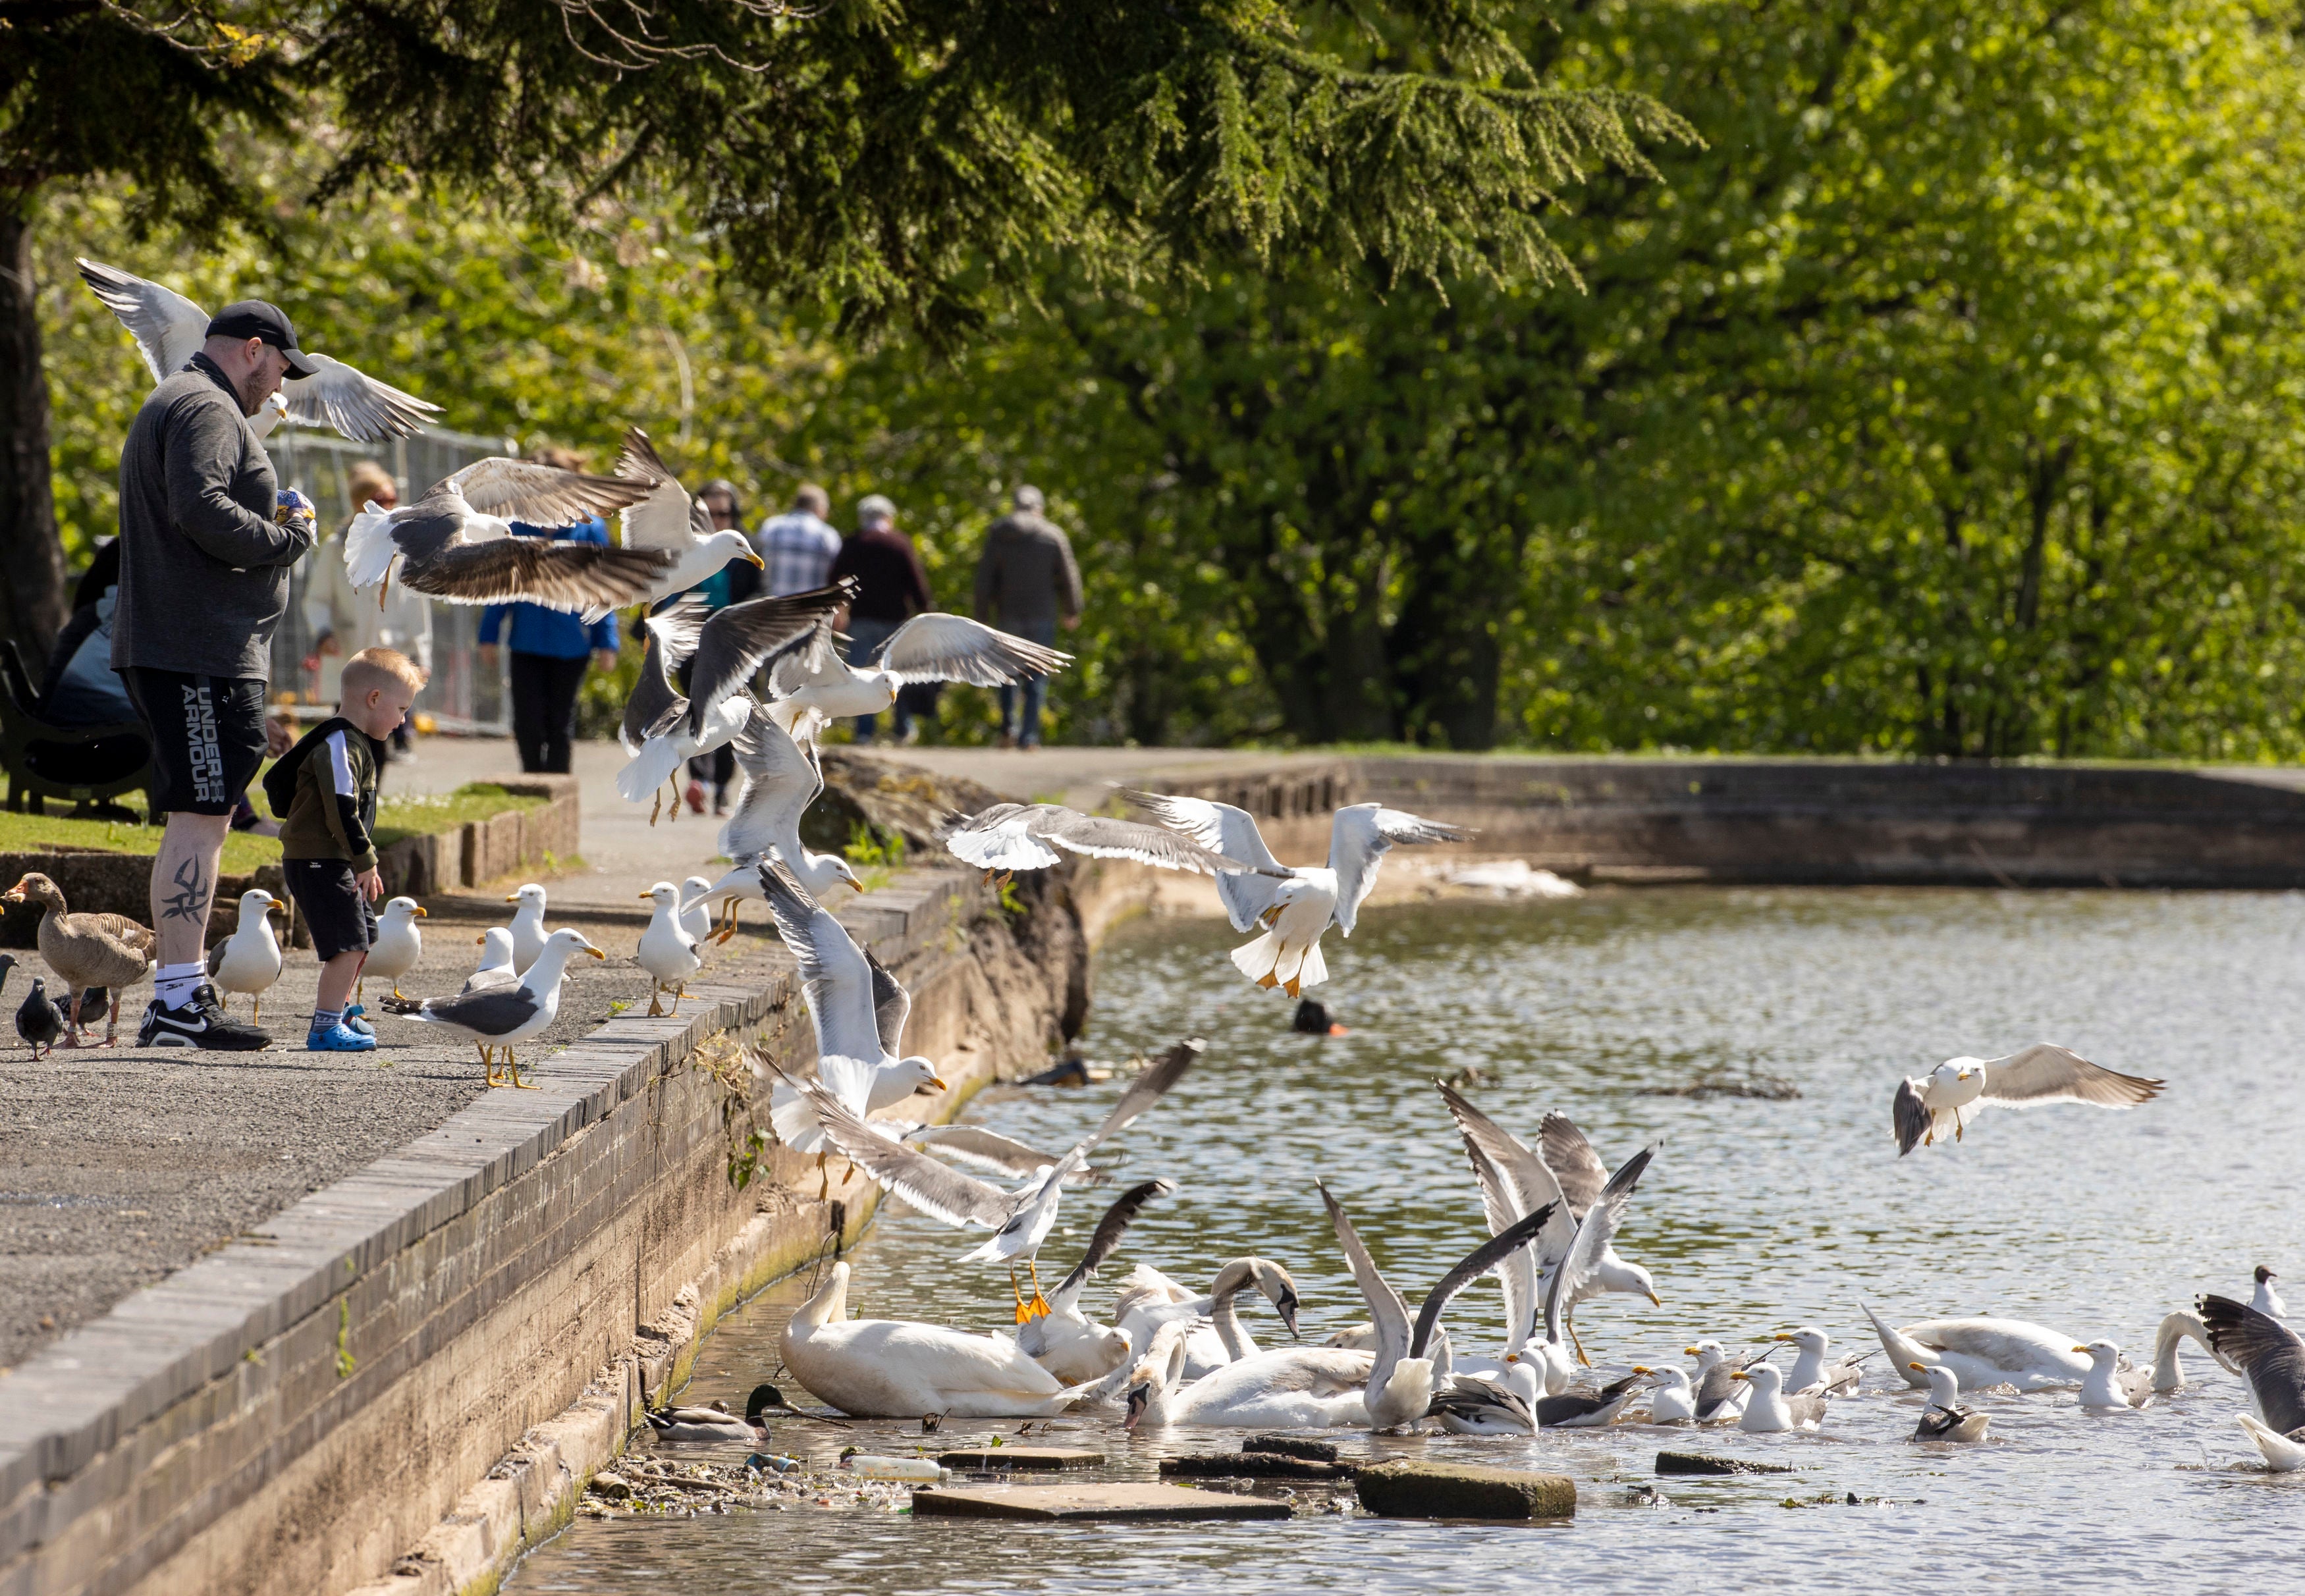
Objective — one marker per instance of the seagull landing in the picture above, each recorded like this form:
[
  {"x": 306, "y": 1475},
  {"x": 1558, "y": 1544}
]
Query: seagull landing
[{"x": 1956, "y": 1090}]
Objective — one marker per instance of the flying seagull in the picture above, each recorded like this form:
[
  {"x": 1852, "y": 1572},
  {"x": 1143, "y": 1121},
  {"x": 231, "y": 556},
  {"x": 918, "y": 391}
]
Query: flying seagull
[
  {"x": 782, "y": 778},
  {"x": 1295, "y": 909},
  {"x": 721, "y": 649},
  {"x": 1020, "y": 1220},
  {"x": 672, "y": 518},
  {"x": 456, "y": 542},
  {"x": 935, "y": 646},
  {"x": 1026, "y": 836},
  {"x": 2044, "y": 1072},
  {"x": 169, "y": 330}
]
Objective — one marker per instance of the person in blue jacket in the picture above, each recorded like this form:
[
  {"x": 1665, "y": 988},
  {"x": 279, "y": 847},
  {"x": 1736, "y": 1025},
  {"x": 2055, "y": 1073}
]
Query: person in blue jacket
[{"x": 551, "y": 649}]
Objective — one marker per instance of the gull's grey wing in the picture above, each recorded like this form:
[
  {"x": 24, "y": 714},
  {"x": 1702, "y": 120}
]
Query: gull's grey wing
[
  {"x": 1387, "y": 1313},
  {"x": 1513, "y": 1182},
  {"x": 835, "y": 976},
  {"x": 354, "y": 403},
  {"x": 1479, "y": 1261},
  {"x": 1909, "y": 1115},
  {"x": 781, "y": 780},
  {"x": 656, "y": 697},
  {"x": 2045, "y": 1073},
  {"x": 1572, "y": 1160},
  {"x": 934, "y": 1187},
  {"x": 545, "y": 495},
  {"x": 494, "y": 1013},
  {"x": 1555, "y": 1411},
  {"x": 1360, "y": 834},
  {"x": 737, "y": 640},
  {"x": 815, "y": 664},
  {"x": 989, "y": 1150},
  {"x": 1103, "y": 837},
  {"x": 1110, "y": 1228},
  {"x": 1231, "y": 832},
  {"x": 420, "y": 531},
  {"x": 892, "y": 1007},
  {"x": 1147, "y": 1089},
  {"x": 168, "y": 329},
  {"x": 1468, "y": 1398},
  {"x": 2267, "y": 1351},
  {"x": 936, "y": 647},
  {"x": 1000, "y": 838},
  {"x": 669, "y": 517},
  {"x": 558, "y": 575}
]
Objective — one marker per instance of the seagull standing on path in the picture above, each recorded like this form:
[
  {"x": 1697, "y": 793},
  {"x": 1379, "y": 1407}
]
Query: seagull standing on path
[
  {"x": 249, "y": 960},
  {"x": 1924, "y": 1108},
  {"x": 667, "y": 951},
  {"x": 398, "y": 944},
  {"x": 505, "y": 1017},
  {"x": 528, "y": 932},
  {"x": 1302, "y": 903},
  {"x": 169, "y": 330}
]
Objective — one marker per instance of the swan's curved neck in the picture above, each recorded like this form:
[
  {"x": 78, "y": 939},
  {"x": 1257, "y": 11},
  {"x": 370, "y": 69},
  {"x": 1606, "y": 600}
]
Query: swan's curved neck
[
  {"x": 827, "y": 1306},
  {"x": 2168, "y": 1372},
  {"x": 1222, "y": 1313}
]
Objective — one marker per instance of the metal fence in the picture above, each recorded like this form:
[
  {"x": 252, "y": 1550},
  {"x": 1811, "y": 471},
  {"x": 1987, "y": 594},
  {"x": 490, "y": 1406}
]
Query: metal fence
[{"x": 462, "y": 695}]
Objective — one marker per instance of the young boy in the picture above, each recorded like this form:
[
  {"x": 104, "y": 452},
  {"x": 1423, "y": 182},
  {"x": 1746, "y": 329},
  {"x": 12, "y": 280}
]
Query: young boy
[{"x": 324, "y": 789}]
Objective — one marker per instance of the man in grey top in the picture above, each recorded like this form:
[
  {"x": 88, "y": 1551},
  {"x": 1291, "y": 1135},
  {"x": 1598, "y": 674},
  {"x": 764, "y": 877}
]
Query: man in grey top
[
  {"x": 1026, "y": 582},
  {"x": 205, "y": 544}
]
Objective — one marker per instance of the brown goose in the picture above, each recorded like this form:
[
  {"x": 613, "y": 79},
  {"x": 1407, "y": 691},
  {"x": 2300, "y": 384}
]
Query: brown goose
[{"x": 87, "y": 950}]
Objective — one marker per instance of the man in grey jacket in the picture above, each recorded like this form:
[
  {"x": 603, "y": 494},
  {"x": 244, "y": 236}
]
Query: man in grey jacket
[
  {"x": 205, "y": 544},
  {"x": 1026, "y": 582}
]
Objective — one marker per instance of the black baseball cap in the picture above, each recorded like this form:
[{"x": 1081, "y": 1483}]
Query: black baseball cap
[{"x": 254, "y": 318}]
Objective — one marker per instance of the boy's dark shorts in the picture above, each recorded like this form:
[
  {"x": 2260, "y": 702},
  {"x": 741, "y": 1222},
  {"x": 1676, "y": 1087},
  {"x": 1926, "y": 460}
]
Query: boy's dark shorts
[
  {"x": 332, "y": 905},
  {"x": 208, "y": 736}
]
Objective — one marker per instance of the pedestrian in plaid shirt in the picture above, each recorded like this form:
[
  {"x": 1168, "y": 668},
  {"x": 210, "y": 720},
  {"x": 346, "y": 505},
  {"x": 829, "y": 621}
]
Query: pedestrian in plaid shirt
[{"x": 798, "y": 546}]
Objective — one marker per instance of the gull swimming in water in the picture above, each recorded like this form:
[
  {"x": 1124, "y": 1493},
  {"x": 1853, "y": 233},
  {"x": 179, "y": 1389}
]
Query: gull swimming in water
[
  {"x": 1294, "y": 906},
  {"x": 2112, "y": 1381},
  {"x": 673, "y": 519},
  {"x": 1810, "y": 1371},
  {"x": 1924, "y": 1108},
  {"x": 2272, "y": 1359},
  {"x": 1984, "y": 1352},
  {"x": 1720, "y": 1396},
  {"x": 1770, "y": 1412},
  {"x": 722, "y": 649},
  {"x": 1019, "y": 1220},
  {"x": 456, "y": 543},
  {"x": 1674, "y": 1401},
  {"x": 1944, "y": 1419},
  {"x": 169, "y": 330},
  {"x": 2265, "y": 1299},
  {"x": 502, "y": 1017},
  {"x": 930, "y": 646}
]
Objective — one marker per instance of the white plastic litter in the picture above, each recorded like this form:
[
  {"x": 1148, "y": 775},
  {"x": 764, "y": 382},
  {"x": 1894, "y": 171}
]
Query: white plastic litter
[{"x": 1513, "y": 877}]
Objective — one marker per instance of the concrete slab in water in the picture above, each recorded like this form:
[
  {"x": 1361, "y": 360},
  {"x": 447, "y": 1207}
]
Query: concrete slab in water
[
  {"x": 1084, "y": 1502},
  {"x": 1406, "y": 1488},
  {"x": 1259, "y": 1465},
  {"x": 1706, "y": 1463},
  {"x": 1039, "y": 1459}
]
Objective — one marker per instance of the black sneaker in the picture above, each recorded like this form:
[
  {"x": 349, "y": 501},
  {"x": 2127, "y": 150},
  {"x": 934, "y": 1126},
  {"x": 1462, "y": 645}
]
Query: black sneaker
[{"x": 199, "y": 1023}]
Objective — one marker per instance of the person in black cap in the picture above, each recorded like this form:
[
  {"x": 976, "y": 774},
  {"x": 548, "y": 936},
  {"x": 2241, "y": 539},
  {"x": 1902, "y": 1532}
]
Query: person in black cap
[{"x": 206, "y": 545}]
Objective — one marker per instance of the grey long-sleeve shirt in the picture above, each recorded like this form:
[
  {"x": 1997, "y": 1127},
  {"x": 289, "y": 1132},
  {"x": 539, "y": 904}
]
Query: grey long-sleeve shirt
[
  {"x": 203, "y": 568},
  {"x": 1026, "y": 573}
]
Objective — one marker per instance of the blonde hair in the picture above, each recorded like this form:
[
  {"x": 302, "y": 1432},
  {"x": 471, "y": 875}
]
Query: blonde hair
[
  {"x": 373, "y": 668},
  {"x": 364, "y": 476}
]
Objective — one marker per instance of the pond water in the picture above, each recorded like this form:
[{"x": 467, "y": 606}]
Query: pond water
[{"x": 1757, "y": 1216}]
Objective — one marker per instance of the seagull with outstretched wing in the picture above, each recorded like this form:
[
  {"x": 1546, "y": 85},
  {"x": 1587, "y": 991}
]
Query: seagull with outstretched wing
[
  {"x": 169, "y": 329},
  {"x": 932, "y": 646},
  {"x": 2272, "y": 1358},
  {"x": 1294, "y": 906},
  {"x": 456, "y": 542},
  {"x": 673, "y": 519},
  {"x": 1026, "y": 837},
  {"x": 1956, "y": 1090}
]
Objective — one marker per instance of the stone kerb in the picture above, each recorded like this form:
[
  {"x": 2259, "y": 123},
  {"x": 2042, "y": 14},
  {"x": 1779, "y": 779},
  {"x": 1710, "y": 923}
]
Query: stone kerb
[{"x": 301, "y": 1407}]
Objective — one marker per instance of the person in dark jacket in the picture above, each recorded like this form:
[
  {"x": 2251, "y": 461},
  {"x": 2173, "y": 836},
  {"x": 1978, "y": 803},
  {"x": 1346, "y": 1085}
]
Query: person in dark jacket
[
  {"x": 550, "y": 651},
  {"x": 1027, "y": 583},
  {"x": 892, "y": 589},
  {"x": 205, "y": 544}
]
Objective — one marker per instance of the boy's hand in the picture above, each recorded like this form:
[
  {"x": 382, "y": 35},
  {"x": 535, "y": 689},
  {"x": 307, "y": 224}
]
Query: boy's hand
[{"x": 370, "y": 882}]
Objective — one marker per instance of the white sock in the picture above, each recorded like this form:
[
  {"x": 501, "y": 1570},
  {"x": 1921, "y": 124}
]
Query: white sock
[{"x": 175, "y": 984}]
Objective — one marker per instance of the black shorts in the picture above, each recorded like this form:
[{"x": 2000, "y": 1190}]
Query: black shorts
[
  {"x": 208, "y": 736},
  {"x": 332, "y": 905}
]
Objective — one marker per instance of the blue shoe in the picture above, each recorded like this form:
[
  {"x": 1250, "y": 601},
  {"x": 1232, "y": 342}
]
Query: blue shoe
[
  {"x": 353, "y": 1018},
  {"x": 339, "y": 1038}
]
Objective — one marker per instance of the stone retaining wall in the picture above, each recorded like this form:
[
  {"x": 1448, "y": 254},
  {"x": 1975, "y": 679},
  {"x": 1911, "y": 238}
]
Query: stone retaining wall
[{"x": 301, "y": 1410}]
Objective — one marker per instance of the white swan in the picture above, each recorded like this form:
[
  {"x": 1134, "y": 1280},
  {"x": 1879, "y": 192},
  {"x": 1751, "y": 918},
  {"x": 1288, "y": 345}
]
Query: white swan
[
  {"x": 1297, "y": 1387},
  {"x": 1984, "y": 1352},
  {"x": 900, "y": 1369}
]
